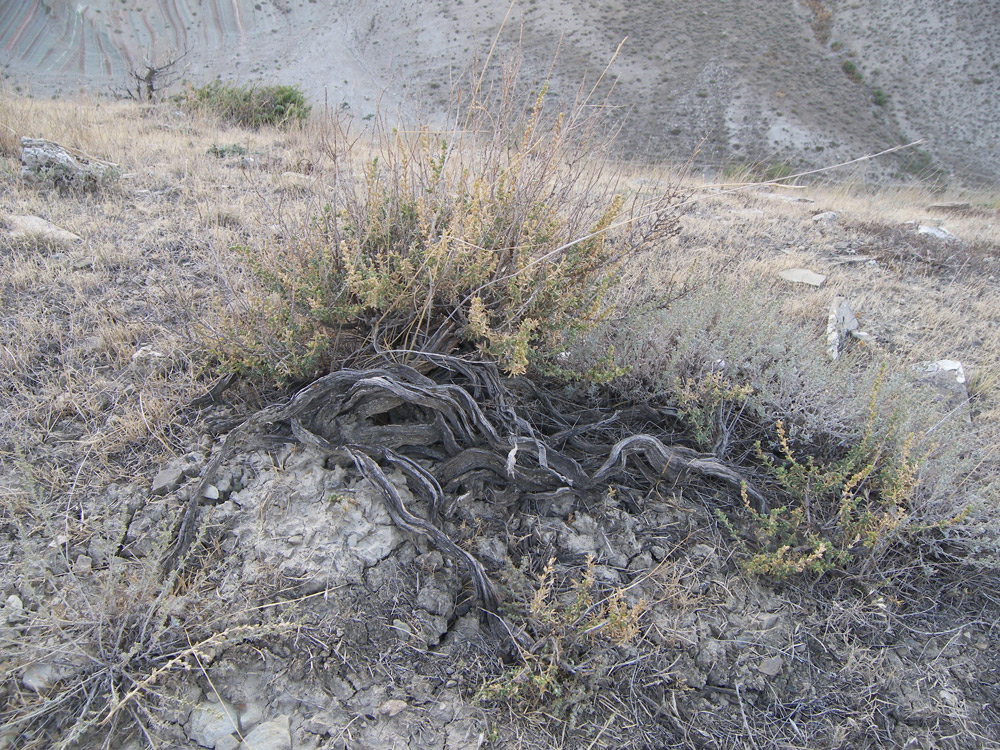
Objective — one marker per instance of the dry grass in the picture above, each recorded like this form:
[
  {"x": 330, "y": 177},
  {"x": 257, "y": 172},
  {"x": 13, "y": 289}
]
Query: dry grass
[{"x": 84, "y": 421}]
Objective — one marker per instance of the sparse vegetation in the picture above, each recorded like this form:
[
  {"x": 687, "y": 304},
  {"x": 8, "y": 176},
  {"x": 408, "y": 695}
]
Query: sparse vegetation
[
  {"x": 430, "y": 244},
  {"x": 881, "y": 514},
  {"x": 248, "y": 105},
  {"x": 851, "y": 70}
]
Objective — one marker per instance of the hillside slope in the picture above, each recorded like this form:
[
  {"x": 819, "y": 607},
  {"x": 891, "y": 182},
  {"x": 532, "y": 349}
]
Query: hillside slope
[{"x": 806, "y": 82}]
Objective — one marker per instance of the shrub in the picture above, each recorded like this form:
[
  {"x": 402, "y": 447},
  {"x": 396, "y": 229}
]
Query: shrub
[
  {"x": 879, "y": 97},
  {"x": 851, "y": 70},
  {"x": 250, "y": 106},
  {"x": 503, "y": 233}
]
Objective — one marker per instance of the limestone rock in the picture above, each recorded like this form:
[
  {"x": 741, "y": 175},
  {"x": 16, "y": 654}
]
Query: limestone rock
[
  {"x": 168, "y": 479},
  {"x": 271, "y": 735},
  {"x": 41, "y": 675},
  {"x": 802, "y": 276},
  {"x": 210, "y": 722},
  {"x": 842, "y": 324},
  {"x": 947, "y": 378},
  {"x": 47, "y": 164},
  {"x": 937, "y": 232},
  {"x": 771, "y": 667},
  {"x": 826, "y": 217},
  {"x": 35, "y": 226},
  {"x": 392, "y": 707}
]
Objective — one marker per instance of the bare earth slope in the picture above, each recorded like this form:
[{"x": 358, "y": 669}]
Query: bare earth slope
[{"x": 736, "y": 81}]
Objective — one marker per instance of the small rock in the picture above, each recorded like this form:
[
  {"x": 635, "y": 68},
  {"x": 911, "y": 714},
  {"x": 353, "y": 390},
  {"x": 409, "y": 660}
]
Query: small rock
[
  {"x": 48, "y": 164},
  {"x": 947, "y": 377},
  {"x": 271, "y": 735},
  {"x": 83, "y": 564},
  {"x": 210, "y": 722},
  {"x": 229, "y": 742},
  {"x": 82, "y": 264},
  {"x": 41, "y": 675},
  {"x": 951, "y": 368},
  {"x": 802, "y": 276},
  {"x": 771, "y": 667},
  {"x": 167, "y": 480},
  {"x": 841, "y": 324},
  {"x": 35, "y": 226},
  {"x": 13, "y": 604},
  {"x": 211, "y": 492},
  {"x": 937, "y": 232},
  {"x": 251, "y": 716},
  {"x": 826, "y": 217},
  {"x": 436, "y": 601},
  {"x": 392, "y": 707},
  {"x": 768, "y": 621}
]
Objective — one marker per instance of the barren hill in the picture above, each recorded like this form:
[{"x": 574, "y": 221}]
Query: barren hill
[{"x": 803, "y": 82}]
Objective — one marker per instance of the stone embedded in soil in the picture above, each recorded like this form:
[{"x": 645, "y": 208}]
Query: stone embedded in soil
[
  {"x": 210, "y": 722},
  {"x": 771, "y": 667},
  {"x": 36, "y": 226},
  {"x": 271, "y": 735},
  {"x": 768, "y": 621},
  {"x": 947, "y": 377},
  {"x": 825, "y": 218},
  {"x": 47, "y": 164},
  {"x": 392, "y": 707},
  {"x": 939, "y": 233},
  {"x": 41, "y": 675},
  {"x": 802, "y": 276},
  {"x": 168, "y": 479}
]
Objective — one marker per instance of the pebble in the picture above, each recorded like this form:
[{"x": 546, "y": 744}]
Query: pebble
[
  {"x": 168, "y": 479},
  {"x": 211, "y": 721},
  {"x": 771, "y": 667},
  {"x": 271, "y": 735}
]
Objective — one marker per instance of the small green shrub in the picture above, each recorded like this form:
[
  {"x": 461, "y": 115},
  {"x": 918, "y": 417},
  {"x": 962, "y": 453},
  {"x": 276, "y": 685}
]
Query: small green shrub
[
  {"x": 837, "y": 512},
  {"x": 222, "y": 151},
  {"x": 879, "y": 97},
  {"x": 250, "y": 106},
  {"x": 851, "y": 70}
]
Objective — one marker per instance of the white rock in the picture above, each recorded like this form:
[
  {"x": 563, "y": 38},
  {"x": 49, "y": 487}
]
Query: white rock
[
  {"x": 35, "y": 226},
  {"x": 946, "y": 366},
  {"x": 47, "y": 163},
  {"x": 826, "y": 217},
  {"x": 271, "y": 735},
  {"x": 841, "y": 324},
  {"x": 210, "y": 722},
  {"x": 938, "y": 232},
  {"x": 802, "y": 276},
  {"x": 947, "y": 378},
  {"x": 392, "y": 707}
]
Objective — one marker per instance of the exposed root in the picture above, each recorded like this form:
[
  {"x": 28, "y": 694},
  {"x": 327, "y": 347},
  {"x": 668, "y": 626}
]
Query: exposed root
[{"x": 470, "y": 432}]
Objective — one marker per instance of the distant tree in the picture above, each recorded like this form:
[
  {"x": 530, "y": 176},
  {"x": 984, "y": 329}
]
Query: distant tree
[{"x": 151, "y": 77}]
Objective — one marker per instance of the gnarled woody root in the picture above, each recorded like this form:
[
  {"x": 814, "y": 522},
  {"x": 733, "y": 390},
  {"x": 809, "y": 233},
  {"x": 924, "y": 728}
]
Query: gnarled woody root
[{"x": 464, "y": 428}]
